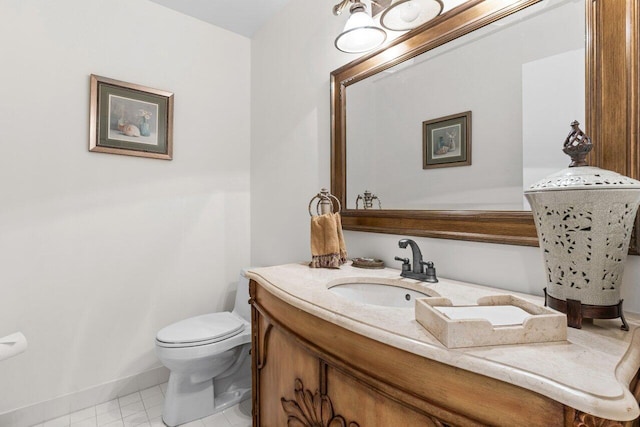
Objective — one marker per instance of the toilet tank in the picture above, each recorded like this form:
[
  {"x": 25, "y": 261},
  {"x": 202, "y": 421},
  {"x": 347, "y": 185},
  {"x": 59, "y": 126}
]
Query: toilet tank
[{"x": 241, "y": 306}]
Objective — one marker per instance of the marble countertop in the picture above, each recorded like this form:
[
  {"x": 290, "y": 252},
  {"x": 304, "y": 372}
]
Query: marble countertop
[{"x": 590, "y": 371}]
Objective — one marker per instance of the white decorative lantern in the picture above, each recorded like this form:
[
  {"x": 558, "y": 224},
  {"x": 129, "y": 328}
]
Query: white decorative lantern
[{"x": 584, "y": 217}]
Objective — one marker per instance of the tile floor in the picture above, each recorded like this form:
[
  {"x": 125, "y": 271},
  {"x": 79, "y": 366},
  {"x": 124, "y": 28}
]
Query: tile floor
[{"x": 144, "y": 408}]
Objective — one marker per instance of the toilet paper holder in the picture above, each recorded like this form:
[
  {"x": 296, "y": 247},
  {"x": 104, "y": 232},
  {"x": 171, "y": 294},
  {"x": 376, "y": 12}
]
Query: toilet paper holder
[{"x": 12, "y": 345}]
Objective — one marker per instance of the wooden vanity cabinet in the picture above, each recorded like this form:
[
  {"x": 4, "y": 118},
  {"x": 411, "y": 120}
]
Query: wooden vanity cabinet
[{"x": 326, "y": 375}]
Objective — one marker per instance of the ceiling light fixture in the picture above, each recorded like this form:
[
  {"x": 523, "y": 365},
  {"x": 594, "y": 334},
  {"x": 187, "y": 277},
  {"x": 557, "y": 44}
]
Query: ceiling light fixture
[
  {"x": 405, "y": 15},
  {"x": 360, "y": 33}
]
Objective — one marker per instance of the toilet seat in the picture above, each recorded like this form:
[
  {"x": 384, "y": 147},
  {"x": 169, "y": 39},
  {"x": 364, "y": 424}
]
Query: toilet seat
[{"x": 200, "y": 330}]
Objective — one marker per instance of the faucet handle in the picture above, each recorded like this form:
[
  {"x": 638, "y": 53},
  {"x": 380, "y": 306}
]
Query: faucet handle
[
  {"x": 430, "y": 271},
  {"x": 406, "y": 266}
]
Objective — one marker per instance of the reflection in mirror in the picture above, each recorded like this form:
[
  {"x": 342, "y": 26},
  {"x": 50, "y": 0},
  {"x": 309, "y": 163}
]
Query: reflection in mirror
[{"x": 522, "y": 78}]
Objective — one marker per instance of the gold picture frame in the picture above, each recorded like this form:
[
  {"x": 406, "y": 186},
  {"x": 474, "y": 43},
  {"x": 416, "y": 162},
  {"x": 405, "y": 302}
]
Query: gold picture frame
[{"x": 130, "y": 119}]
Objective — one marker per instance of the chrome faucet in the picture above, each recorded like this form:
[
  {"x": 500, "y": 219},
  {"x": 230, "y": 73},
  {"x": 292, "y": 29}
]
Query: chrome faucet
[{"x": 418, "y": 272}]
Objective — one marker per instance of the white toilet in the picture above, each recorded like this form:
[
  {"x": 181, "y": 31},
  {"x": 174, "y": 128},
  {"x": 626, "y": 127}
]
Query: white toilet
[{"x": 208, "y": 359}]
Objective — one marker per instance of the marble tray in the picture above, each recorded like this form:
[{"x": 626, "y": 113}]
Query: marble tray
[{"x": 495, "y": 320}]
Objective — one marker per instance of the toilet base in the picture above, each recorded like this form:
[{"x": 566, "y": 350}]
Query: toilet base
[
  {"x": 186, "y": 400},
  {"x": 181, "y": 406},
  {"x": 231, "y": 398},
  {"x": 200, "y": 405}
]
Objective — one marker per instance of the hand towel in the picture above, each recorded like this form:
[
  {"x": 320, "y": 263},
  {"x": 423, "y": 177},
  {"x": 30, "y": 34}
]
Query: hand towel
[
  {"x": 328, "y": 249},
  {"x": 343, "y": 247}
]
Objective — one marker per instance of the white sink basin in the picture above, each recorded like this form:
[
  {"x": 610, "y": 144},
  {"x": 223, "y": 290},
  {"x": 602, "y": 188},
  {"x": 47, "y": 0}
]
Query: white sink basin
[{"x": 382, "y": 292}]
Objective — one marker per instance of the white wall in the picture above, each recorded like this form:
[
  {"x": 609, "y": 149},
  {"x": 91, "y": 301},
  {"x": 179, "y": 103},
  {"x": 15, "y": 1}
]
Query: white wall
[
  {"x": 99, "y": 251},
  {"x": 291, "y": 61}
]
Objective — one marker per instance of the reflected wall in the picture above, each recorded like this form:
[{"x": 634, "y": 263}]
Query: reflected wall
[{"x": 523, "y": 85}]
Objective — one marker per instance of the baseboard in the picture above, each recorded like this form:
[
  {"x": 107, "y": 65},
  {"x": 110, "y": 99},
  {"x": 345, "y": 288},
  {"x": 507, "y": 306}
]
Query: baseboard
[{"x": 63, "y": 405}]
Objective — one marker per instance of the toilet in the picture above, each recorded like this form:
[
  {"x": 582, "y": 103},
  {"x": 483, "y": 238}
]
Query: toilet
[{"x": 208, "y": 359}]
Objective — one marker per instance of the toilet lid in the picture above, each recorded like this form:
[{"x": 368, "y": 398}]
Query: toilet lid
[{"x": 208, "y": 327}]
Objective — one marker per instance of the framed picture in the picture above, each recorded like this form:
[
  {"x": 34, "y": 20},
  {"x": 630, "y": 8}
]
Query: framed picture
[
  {"x": 446, "y": 141},
  {"x": 130, "y": 119}
]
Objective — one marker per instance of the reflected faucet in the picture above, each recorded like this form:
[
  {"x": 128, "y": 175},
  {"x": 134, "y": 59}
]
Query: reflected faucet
[{"x": 418, "y": 272}]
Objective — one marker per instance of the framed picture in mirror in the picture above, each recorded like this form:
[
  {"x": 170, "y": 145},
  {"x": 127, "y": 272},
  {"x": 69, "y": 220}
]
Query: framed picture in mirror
[{"x": 446, "y": 141}]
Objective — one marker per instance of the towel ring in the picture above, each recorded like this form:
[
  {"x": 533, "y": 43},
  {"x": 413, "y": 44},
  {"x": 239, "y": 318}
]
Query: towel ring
[{"x": 324, "y": 198}]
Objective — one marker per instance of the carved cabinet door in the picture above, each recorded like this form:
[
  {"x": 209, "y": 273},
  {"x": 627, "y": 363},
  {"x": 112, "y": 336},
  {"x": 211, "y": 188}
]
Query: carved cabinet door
[
  {"x": 361, "y": 403},
  {"x": 281, "y": 361}
]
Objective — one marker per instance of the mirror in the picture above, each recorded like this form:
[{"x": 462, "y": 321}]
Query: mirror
[
  {"x": 611, "y": 102},
  {"x": 519, "y": 88}
]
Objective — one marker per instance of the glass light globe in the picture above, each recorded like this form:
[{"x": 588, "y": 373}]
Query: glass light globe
[
  {"x": 408, "y": 12},
  {"x": 360, "y": 34},
  {"x": 405, "y": 15}
]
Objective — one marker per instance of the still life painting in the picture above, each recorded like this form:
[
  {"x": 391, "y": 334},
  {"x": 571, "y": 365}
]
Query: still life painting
[
  {"x": 130, "y": 119},
  {"x": 446, "y": 141}
]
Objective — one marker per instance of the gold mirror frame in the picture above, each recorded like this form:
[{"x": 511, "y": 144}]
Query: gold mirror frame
[{"x": 612, "y": 115}]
